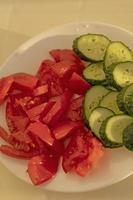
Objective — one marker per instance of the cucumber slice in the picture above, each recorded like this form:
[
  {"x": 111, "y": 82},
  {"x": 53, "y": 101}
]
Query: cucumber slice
[
  {"x": 92, "y": 99},
  {"x": 110, "y": 101},
  {"x": 115, "y": 53},
  {"x": 97, "y": 116},
  {"x": 128, "y": 137},
  {"x": 111, "y": 131},
  {"x": 129, "y": 105},
  {"x": 94, "y": 73},
  {"x": 123, "y": 99},
  {"x": 120, "y": 75},
  {"x": 91, "y": 46}
]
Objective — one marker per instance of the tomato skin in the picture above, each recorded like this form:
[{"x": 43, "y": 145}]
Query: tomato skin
[
  {"x": 42, "y": 131},
  {"x": 10, "y": 151},
  {"x": 23, "y": 81},
  {"x": 75, "y": 111},
  {"x": 66, "y": 128},
  {"x": 78, "y": 85},
  {"x": 42, "y": 168},
  {"x": 58, "y": 109},
  {"x": 5, "y": 85}
]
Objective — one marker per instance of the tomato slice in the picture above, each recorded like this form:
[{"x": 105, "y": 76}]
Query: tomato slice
[
  {"x": 68, "y": 55},
  {"x": 75, "y": 111},
  {"x": 45, "y": 64},
  {"x": 4, "y": 135},
  {"x": 23, "y": 81},
  {"x": 5, "y": 85},
  {"x": 76, "y": 151},
  {"x": 96, "y": 153},
  {"x": 37, "y": 110},
  {"x": 42, "y": 131},
  {"x": 64, "y": 68},
  {"x": 56, "y": 86},
  {"x": 58, "y": 109},
  {"x": 41, "y": 90},
  {"x": 42, "y": 168},
  {"x": 10, "y": 151},
  {"x": 16, "y": 120},
  {"x": 66, "y": 128},
  {"x": 78, "y": 85}
]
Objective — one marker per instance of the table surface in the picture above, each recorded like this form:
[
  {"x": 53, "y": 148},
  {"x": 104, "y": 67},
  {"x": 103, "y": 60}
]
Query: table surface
[{"x": 19, "y": 21}]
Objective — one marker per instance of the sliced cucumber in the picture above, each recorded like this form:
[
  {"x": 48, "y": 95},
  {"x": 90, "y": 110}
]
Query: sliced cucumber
[
  {"x": 129, "y": 105},
  {"x": 91, "y": 46},
  {"x": 92, "y": 99},
  {"x": 110, "y": 101},
  {"x": 111, "y": 131},
  {"x": 97, "y": 116},
  {"x": 123, "y": 99},
  {"x": 128, "y": 137},
  {"x": 94, "y": 73},
  {"x": 120, "y": 75},
  {"x": 115, "y": 53}
]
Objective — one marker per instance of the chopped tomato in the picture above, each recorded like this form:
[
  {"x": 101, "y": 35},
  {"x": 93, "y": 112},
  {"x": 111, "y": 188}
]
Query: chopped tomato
[
  {"x": 15, "y": 120},
  {"x": 78, "y": 85},
  {"x": 96, "y": 153},
  {"x": 42, "y": 131},
  {"x": 37, "y": 110},
  {"x": 21, "y": 137},
  {"x": 5, "y": 85},
  {"x": 66, "y": 128},
  {"x": 76, "y": 151},
  {"x": 23, "y": 81},
  {"x": 75, "y": 112},
  {"x": 45, "y": 64},
  {"x": 57, "y": 148},
  {"x": 68, "y": 55},
  {"x": 64, "y": 68},
  {"x": 10, "y": 151},
  {"x": 42, "y": 168},
  {"x": 58, "y": 109},
  {"x": 41, "y": 90},
  {"x": 55, "y": 84}
]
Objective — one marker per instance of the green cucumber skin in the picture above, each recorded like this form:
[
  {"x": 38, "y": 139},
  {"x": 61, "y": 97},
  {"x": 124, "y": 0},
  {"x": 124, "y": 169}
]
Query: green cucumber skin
[
  {"x": 118, "y": 61},
  {"x": 107, "y": 143},
  {"x": 80, "y": 54},
  {"x": 125, "y": 105},
  {"x": 129, "y": 105},
  {"x": 128, "y": 137}
]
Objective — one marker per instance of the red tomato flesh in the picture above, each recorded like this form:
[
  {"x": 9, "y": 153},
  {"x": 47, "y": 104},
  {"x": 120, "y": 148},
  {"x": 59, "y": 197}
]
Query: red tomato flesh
[
  {"x": 42, "y": 168},
  {"x": 42, "y": 131},
  {"x": 66, "y": 128},
  {"x": 78, "y": 85},
  {"x": 5, "y": 85}
]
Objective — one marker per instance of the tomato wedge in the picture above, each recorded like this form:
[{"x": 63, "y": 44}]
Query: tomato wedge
[
  {"x": 58, "y": 109},
  {"x": 23, "y": 81},
  {"x": 45, "y": 64},
  {"x": 75, "y": 111},
  {"x": 16, "y": 120},
  {"x": 41, "y": 90},
  {"x": 5, "y": 85},
  {"x": 42, "y": 168},
  {"x": 56, "y": 86},
  {"x": 78, "y": 85},
  {"x": 10, "y": 151},
  {"x": 66, "y": 128},
  {"x": 96, "y": 153},
  {"x": 42, "y": 131}
]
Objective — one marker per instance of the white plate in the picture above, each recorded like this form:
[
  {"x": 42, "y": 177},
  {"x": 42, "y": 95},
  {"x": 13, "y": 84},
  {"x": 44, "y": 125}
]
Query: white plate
[{"x": 117, "y": 164}]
